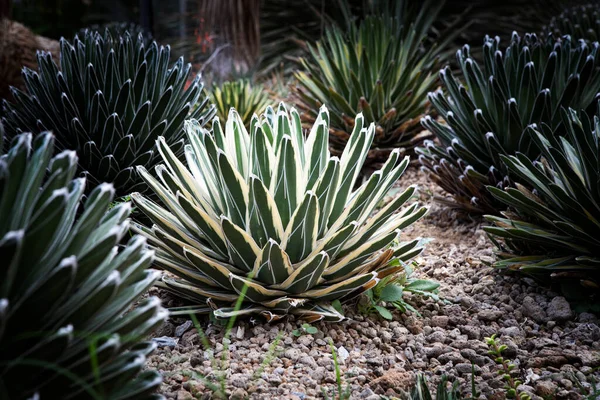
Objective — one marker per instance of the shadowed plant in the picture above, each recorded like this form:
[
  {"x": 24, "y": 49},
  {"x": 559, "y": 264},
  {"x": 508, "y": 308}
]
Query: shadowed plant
[
  {"x": 486, "y": 116},
  {"x": 66, "y": 289},
  {"x": 551, "y": 229},
  {"x": 109, "y": 100}
]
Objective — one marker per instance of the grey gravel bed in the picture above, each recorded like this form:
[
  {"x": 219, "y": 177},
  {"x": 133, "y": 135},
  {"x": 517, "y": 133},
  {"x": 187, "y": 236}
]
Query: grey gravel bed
[{"x": 555, "y": 349}]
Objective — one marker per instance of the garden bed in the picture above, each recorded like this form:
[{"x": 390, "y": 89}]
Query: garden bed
[{"x": 555, "y": 350}]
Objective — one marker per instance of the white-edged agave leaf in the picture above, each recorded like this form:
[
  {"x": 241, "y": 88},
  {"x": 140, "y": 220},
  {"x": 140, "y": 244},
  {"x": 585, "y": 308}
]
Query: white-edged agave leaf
[
  {"x": 352, "y": 159},
  {"x": 264, "y": 221},
  {"x": 253, "y": 291},
  {"x": 353, "y": 259},
  {"x": 235, "y": 191},
  {"x": 243, "y": 250},
  {"x": 319, "y": 312},
  {"x": 341, "y": 289},
  {"x": 262, "y": 157},
  {"x": 301, "y": 234},
  {"x": 237, "y": 142},
  {"x": 317, "y": 151},
  {"x": 273, "y": 266},
  {"x": 306, "y": 275},
  {"x": 326, "y": 189},
  {"x": 379, "y": 219},
  {"x": 213, "y": 269},
  {"x": 164, "y": 219},
  {"x": 283, "y": 304},
  {"x": 199, "y": 292},
  {"x": 185, "y": 270},
  {"x": 284, "y": 183},
  {"x": 232, "y": 312},
  {"x": 210, "y": 228},
  {"x": 298, "y": 140},
  {"x": 204, "y": 164}
]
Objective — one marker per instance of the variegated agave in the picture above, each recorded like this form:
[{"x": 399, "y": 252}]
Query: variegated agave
[
  {"x": 486, "y": 117},
  {"x": 66, "y": 328},
  {"x": 272, "y": 214},
  {"x": 109, "y": 100},
  {"x": 553, "y": 229}
]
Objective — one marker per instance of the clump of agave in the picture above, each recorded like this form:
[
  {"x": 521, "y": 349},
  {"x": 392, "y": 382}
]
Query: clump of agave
[
  {"x": 486, "y": 116},
  {"x": 109, "y": 100},
  {"x": 271, "y": 214},
  {"x": 579, "y": 22},
  {"x": 66, "y": 331},
  {"x": 552, "y": 228},
  {"x": 382, "y": 69},
  {"x": 241, "y": 95}
]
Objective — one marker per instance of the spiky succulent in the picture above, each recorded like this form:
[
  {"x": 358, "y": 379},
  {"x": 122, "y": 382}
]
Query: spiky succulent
[
  {"x": 117, "y": 29},
  {"x": 272, "y": 214},
  {"x": 66, "y": 331},
  {"x": 485, "y": 117},
  {"x": 553, "y": 229},
  {"x": 380, "y": 68},
  {"x": 109, "y": 100},
  {"x": 580, "y": 22},
  {"x": 246, "y": 98}
]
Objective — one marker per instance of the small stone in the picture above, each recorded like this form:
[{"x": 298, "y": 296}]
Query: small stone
[
  {"x": 512, "y": 331},
  {"x": 440, "y": 320},
  {"x": 305, "y": 340},
  {"x": 559, "y": 309},
  {"x": 238, "y": 394},
  {"x": 533, "y": 310},
  {"x": 545, "y": 389},
  {"x": 342, "y": 353},
  {"x": 489, "y": 315},
  {"x": 181, "y": 329},
  {"x": 184, "y": 395}
]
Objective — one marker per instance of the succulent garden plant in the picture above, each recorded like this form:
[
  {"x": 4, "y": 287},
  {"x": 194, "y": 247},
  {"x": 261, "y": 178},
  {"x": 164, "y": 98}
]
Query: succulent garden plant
[
  {"x": 109, "y": 100},
  {"x": 382, "y": 69},
  {"x": 66, "y": 331},
  {"x": 580, "y": 22},
  {"x": 552, "y": 229},
  {"x": 272, "y": 215},
  {"x": 485, "y": 118},
  {"x": 241, "y": 95}
]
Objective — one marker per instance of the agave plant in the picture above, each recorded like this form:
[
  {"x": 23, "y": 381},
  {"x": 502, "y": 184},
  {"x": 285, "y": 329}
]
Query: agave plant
[
  {"x": 273, "y": 216},
  {"x": 485, "y": 117},
  {"x": 381, "y": 69},
  {"x": 241, "y": 95},
  {"x": 580, "y": 22},
  {"x": 109, "y": 100},
  {"x": 118, "y": 29},
  {"x": 553, "y": 229},
  {"x": 66, "y": 331}
]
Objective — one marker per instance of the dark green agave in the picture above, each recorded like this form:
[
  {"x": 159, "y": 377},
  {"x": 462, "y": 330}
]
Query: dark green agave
[
  {"x": 485, "y": 116},
  {"x": 110, "y": 99},
  {"x": 66, "y": 329}
]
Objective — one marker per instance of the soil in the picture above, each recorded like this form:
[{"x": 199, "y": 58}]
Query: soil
[{"x": 556, "y": 351}]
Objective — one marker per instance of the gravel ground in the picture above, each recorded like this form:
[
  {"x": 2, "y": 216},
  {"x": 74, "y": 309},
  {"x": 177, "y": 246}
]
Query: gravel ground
[{"x": 556, "y": 351}]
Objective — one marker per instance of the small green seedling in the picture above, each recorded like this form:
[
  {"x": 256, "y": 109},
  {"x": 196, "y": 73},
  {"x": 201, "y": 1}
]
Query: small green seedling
[{"x": 305, "y": 329}]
